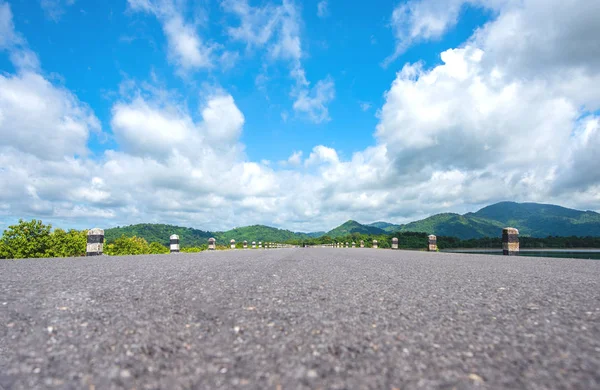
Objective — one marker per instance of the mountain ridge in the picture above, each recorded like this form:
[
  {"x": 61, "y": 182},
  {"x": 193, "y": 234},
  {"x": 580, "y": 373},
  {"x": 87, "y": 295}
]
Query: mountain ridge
[{"x": 532, "y": 219}]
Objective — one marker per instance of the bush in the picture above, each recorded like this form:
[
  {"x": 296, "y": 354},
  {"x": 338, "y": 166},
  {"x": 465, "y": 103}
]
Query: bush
[{"x": 26, "y": 239}]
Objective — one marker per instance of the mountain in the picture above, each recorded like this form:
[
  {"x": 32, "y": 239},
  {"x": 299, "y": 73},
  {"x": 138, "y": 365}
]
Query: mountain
[
  {"x": 314, "y": 234},
  {"x": 154, "y": 232},
  {"x": 388, "y": 227},
  {"x": 532, "y": 219},
  {"x": 259, "y": 233},
  {"x": 542, "y": 220},
  {"x": 455, "y": 225},
  {"x": 350, "y": 227}
]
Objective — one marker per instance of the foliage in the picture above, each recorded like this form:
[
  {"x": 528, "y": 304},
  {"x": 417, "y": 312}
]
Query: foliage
[
  {"x": 67, "y": 244},
  {"x": 258, "y": 233},
  {"x": 123, "y": 246},
  {"x": 350, "y": 227},
  {"x": 26, "y": 239},
  {"x": 158, "y": 233}
]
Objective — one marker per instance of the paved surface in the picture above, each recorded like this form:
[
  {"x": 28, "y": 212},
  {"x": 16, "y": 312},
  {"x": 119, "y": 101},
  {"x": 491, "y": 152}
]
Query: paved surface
[{"x": 300, "y": 318}]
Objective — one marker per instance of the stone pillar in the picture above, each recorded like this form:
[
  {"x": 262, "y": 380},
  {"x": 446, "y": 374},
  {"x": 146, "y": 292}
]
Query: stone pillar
[
  {"x": 245, "y": 244},
  {"x": 253, "y": 244},
  {"x": 362, "y": 244},
  {"x": 174, "y": 241},
  {"x": 212, "y": 244},
  {"x": 353, "y": 245},
  {"x": 260, "y": 244},
  {"x": 510, "y": 242},
  {"x": 432, "y": 247},
  {"x": 95, "y": 242},
  {"x": 374, "y": 244},
  {"x": 232, "y": 242},
  {"x": 395, "y": 243},
  {"x": 346, "y": 245}
]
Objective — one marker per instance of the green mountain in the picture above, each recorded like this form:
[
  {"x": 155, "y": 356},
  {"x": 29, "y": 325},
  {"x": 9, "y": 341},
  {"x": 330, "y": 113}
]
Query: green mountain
[
  {"x": 532, "y": 219},
  {"x": 154, "y": 232},
  {"x": 542, "y": 220},
  {"x": 193, "y": 237},
  {"x": 388, "y": 227},
  {"x": 350, "y": 227},
  {"x": 259, "y": 233},
  {"x": 455, "y": 225}
]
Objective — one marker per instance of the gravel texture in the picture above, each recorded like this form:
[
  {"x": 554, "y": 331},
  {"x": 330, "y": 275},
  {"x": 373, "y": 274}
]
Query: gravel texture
[{"x": 300, "y": 318}]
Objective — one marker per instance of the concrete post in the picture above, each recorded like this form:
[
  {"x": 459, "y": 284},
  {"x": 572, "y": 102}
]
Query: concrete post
[
  {"x": 374, "y": 244},
  {"x": 362, "y": 244},
  {"x": 174, "y": 243},
  {"x": 95, "y": 242},
  {"x": 232, "y": 242},
  {"x": 394, "y": 243},
  {"x": 432, "y": 247},
  {"x": 245, "y": 244},
  {"x": 212, "y": 244},
  {"x": 260, "y": 244},
  {"x": 253, "y": 244},
  {"x": 510, "y": 242},
  {"x": 353, "y": 245}
]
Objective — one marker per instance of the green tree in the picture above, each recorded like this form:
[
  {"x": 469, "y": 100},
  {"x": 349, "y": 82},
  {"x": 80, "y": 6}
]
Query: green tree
[
  {"x": 26, "y": 239},
  {"x": 156, "y": 248},
  {"x": 128, "y": 246},
  {"x": 67, "y": 244}
]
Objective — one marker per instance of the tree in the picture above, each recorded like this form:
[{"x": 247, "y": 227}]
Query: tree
[
  {"x": 128, "y": 246},
  {"x": 67, "y": 244},
  {"x": 155, "y": 248},
  {"x": 26, "y": 239}
]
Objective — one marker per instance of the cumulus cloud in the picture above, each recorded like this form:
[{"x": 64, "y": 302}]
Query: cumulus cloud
[
  {"x": 489, "y": 123},
  {"x": 415, "y": 21}
]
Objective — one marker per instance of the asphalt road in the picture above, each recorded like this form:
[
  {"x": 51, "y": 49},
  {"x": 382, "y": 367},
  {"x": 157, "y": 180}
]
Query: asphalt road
[{"x": 300, "y": 318}]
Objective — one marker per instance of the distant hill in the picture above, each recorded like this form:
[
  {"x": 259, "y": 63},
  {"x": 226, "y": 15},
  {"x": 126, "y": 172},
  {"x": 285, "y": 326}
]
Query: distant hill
[
  {"x": 154, "y": 232},
  {"x": 350, "y": 227},
  {"x": 259, "y": 233},
  {"x": 388, "y": 227},
  {"x": 542, "y": 220},
  {"x": 532, "y": 219}
]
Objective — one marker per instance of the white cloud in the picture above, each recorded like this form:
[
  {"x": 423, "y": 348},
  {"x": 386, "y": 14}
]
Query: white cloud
[
  {"x": 489, "y": 123},
  {"x": 415, "y": 21},
  {"x": 365, "y": 106},
  {"x": 322, "y": 154},
  {"x": 323, "y": 9},
  {"x": 55, "y": 9},
  {"x": 276, "y": 29},
  {"x": 313, "y": 102},
  {"x": 186, "y": 49}
]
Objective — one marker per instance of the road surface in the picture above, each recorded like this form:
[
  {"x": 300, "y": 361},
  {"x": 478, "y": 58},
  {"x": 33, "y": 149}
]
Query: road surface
[{"x": 300, "y": 318}]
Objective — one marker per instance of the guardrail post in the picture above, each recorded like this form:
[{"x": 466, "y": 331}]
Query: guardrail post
[
  {"x": 174, "y": 243},
  {"x": 212, "y": 244},
  {"x": 432, "y": 245},
  {"x": 95, "y": 242},
  {"x": 394, "y": 243},
  {"x": 245, "y": 244},
  {"x": 374, "y": 244},
  {"x": 510, "y": 242},
  {"x": 232, "y": 242},
  {"x": 253, "y": 244}
]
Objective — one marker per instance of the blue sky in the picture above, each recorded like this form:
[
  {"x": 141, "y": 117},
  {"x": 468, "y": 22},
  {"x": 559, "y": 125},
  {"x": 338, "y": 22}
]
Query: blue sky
[{"x": 297, "y": 114}]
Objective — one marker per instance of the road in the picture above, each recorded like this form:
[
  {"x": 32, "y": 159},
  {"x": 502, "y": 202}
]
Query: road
[{"x": 300, "y": 318}]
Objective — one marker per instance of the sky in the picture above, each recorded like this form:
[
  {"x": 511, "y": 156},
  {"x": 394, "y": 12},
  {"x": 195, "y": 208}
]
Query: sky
[{"x": 217, "y": 114}]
